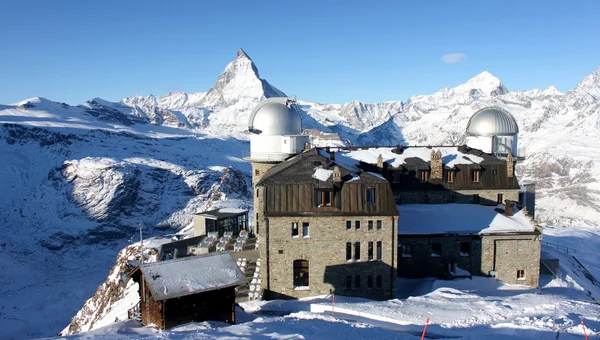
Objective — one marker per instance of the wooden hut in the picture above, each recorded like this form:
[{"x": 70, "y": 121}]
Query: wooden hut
[{"x": 190, "y": 289}]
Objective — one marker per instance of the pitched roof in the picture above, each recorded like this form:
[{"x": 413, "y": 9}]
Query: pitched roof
[
  {"x": 192, "y": 275},
  {"x": 316, "y": 166}
]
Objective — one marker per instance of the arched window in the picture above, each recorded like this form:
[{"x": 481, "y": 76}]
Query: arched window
[{"x": 300, "y": 273}]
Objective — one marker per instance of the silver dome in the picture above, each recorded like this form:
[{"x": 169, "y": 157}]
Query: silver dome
[
  {"x": 275, "y": 116},
  {"x": 492, "y": 121}
]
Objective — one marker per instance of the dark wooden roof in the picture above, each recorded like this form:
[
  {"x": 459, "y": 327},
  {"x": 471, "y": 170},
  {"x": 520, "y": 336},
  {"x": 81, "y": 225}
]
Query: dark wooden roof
[{"x": 291, "y": 188}]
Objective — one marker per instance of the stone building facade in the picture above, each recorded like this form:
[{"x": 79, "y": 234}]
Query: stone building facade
[{"x": 324, "y": 228}]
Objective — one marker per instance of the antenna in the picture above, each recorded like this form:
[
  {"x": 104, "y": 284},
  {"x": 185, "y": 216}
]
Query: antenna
[{"x": 141, "y": 246}]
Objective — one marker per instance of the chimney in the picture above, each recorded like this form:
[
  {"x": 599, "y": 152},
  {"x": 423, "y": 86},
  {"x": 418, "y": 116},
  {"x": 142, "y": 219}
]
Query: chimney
[
  {"x": 437, "y": 168},
  {"x": 510, "y": 165},
  {"x": 337, "y": 175},
  {"x": 380, "y": 161},
  {"x": 509, "y": 207}
]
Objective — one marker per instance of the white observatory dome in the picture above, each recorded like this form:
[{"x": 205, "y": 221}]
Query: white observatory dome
[
  {"x": 275, "y": 128},
  {"x": 275, "y": 116},
  {"x": 493, "y": 130},
  {"x": 492, "y": 121}
]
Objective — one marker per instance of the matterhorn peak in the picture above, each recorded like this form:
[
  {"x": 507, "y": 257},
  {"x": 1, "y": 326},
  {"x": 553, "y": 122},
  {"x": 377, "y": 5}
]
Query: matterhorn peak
[
  {"x": 242, "y": 54},
  {"x": 239, "y": 85}
]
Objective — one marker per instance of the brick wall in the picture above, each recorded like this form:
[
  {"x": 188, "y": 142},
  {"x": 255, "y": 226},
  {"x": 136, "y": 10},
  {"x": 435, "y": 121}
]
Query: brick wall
[{"x": 511, "y": 253}]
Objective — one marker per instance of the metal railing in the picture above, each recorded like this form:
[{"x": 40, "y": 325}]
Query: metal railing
[
  {"x": 135, "y": 312},
  {"x": 558, "y": 247}
]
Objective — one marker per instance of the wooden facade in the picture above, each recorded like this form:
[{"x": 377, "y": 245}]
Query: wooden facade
[{"x": 216, "y": 305}]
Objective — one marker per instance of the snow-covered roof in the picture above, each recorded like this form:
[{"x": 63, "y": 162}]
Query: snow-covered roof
[
  {"x": 192, "y": 275},
  {"x": 451, "y": 155},
  {"x": 466, "y": 219}
]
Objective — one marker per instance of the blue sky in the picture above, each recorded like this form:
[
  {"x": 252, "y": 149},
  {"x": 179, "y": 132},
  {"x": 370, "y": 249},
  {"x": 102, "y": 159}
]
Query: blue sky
[{"x": 326, "y": 51}]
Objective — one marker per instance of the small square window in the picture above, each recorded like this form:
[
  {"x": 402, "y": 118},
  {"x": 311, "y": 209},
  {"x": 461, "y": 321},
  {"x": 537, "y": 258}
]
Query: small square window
[
  {"x": 357, "y": 225},
  {"x": 465, "y": 249},
  {"x": 348, "y": 225},
  {"x": 521, "y": 274},
  {"x": 294, "y": 229},
  {"x": 379, "y": 250},
  {"x": 436, "y": 249},
  {"x": 370, "y": 225},
  {"x": 256, "y": 172},
  {"x": 424, "y": 176},
  {"x": 450, "y": 176},
  {"x": 476, "y": 176},
  {"x": 370, "y": 195},
  {"x": 500, "y": 199},
  {"x": 406, "y": 250},
  {"x": 348, "y": 251},
  {"x": 305, "y": 229},
  {"x": 357, "y": 251},
  {"x": 324, "y": 198},
  {"x": 370, "y": 252}
]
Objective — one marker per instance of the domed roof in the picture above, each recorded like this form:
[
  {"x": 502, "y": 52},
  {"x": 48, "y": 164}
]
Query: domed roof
[
  {"x": 275, "y": 116},
  {"x": 492, "y": 121}
]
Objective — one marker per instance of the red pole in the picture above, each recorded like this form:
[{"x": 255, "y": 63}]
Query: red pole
[
  {"x": 425, "y": 329},
  {"x": 332, "y": 304},
  {"x": 584, "y": 332}
]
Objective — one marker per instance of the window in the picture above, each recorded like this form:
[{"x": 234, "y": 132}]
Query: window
[
  {"x": 500, "y": 199},
  {"x": 357, "y": 251},
  {"x": 304, "y": 229},
  {"x": 406, "y": 250},
  {"x": 300, "y": 273},
  {"x": 357, "y": 225},
  {"x": 357, "y": 281},
  {"x": 465, "y": 249},
  {"x": 370, "y": 253},
  {"x": 294, "y": 229},
  {"x": 378, "y": 281},
  {"x": 436, "y": 249},
  {"x": 424, "y": 175},
  {"x": 256, "y": 172},
  {"x": 450, "y": 176},
  {"x": 520, "y": 274},
  {"x": 379, "y": 250},
  {"x": 370, "y": 282},
  {"x": 475, "y": 199},
  {"x": 348, "y": 251},
  {"x": 378, "y": 224},
  {"x": 348, "y": 282},
  {"x": 348, "y": 225},
  {"x": 257, "y": 227},
  {"x": 324, "y": 198},
  {"x": 476, "y": 174},
  {"x": 370, "y": 225},
  {"x": 370, "y": 195},
  {"x": 256, "y": 193}
]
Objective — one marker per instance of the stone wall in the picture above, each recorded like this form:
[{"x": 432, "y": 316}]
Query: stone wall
[
  {"x": 325, "y": 249},
  {"x": 422, "y": 264},
  {"x": 486, "y": 197},
  {"x": 506, "y": 254}
]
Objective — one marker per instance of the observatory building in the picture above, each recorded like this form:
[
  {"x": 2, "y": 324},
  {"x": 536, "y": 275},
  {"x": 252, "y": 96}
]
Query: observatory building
[
  {"x": 275, "y": 128},
  {"x": 494, "y": 131}
]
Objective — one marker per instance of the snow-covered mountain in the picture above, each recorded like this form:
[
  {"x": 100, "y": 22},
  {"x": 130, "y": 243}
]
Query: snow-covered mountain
[{"x": 78, "y": 179}]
